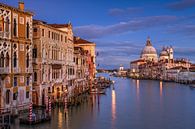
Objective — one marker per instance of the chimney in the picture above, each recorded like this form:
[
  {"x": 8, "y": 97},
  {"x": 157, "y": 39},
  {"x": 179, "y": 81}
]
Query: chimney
[{"x": 21, "y": 5}]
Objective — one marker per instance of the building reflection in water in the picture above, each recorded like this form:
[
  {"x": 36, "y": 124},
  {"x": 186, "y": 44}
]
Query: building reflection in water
[
  {"x": 113, "y": 106},
  {"x": 161, "y": 84},
  {"x": 137, "y": 89},
  {"x": 60, "y": 119},
  {"x": 67, "y": 120}
]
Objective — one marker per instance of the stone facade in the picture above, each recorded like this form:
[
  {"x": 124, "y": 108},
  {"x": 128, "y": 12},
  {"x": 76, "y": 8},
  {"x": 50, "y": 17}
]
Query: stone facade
[
  {"x": 53, "y": 64},
  {"x": 15, "y": 57},
  {"x": 40, "y": 61},
  {"x": 90, "y": 47}
]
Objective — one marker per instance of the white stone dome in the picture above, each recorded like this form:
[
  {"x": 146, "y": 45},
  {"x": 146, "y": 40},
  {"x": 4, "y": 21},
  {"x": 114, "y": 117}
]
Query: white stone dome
[{"x": 149, "y": 52}]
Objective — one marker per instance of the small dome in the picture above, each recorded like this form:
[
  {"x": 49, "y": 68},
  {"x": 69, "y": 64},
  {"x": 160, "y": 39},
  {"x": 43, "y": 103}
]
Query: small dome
[{"x": 164, "y": 53}]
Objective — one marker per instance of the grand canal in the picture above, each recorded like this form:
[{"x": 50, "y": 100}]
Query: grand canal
[{"x": 131, "y": 104}]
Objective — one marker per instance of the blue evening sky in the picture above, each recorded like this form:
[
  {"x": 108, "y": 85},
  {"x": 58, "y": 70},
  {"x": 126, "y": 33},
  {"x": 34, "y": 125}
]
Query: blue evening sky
[{"x": 120, "y": 27}]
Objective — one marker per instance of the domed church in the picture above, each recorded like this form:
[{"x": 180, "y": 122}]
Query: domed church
[
  {"x": 166, "y": 54},
  {"x": 149, "y": 52}
]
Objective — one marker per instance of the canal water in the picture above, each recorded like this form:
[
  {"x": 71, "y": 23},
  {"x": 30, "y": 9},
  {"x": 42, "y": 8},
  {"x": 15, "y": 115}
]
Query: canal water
[{"x": 131, "y": 104}]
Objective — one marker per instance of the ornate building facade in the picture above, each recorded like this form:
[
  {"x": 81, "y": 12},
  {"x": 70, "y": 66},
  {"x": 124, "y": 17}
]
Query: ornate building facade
[
  {"x": 15, "y": 57},
  {"x": 53, "y": 65},
  {"x": 39, "y": 61}
]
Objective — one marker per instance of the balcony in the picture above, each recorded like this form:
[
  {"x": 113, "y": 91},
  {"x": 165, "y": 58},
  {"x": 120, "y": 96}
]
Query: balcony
[
  {"x": 16, "y": 70},
  {"x": 4, "y": 34},
  {"x": 57, "y": 62},
  {"x": 5, "y": 70}
]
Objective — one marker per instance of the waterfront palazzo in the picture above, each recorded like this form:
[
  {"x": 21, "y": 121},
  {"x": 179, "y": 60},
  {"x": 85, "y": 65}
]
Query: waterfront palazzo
[{"x": 40, "y": 62}]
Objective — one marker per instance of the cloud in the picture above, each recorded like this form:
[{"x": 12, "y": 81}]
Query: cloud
[
  {"x": 96, "y": 31},
  {"x": 116, "y": 54},
  {"x": 184, "y": 29},
  {"x": 127, "y": 11},
  {"x": 181, "y": 5}
]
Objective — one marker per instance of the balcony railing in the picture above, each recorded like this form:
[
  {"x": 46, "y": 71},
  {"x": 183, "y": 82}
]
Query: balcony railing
[
  {"x": 4, "y": 34},
  {"x": 60, "y": 62},
  {"x": 16, "y": 70},
  {"x": 5, "y": 70}
]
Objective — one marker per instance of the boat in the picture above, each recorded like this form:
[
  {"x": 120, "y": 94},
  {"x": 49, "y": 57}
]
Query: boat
[
  {"x": 25, "y": 121},
  {"x": 97, "y": 91}
]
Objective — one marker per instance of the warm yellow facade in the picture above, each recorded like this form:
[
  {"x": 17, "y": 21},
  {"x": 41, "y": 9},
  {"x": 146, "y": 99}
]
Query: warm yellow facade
[
  {"x": 15, "y": 57},
  {"x": 91, "y": 48}
]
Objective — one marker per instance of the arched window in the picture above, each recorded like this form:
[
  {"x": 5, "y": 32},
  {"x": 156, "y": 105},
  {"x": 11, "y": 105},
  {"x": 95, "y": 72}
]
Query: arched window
[
  {"x": 7, "y": 60},
  {"x": 27, "y": 60},
  {"x": 35, "y": 76},
  {"x": 7, "y": 96},
  {"x": 15, "y": 59},
  {"x": 27, "y": 30},
  {"x": 1, "y": 23},
  {"x": 2, "y": 60},
  {"x": 7, "y": 25},
  {"x": 15, "y": 27}
]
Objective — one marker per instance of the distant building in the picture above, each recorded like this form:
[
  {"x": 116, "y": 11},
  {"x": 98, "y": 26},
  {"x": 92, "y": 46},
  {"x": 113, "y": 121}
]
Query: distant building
[
  {"x": 150, "y": 66},
  {"x": 166, "y": 54}
]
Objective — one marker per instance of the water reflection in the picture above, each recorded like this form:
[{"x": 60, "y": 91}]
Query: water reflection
[
  {"x": 60, "y": 119},
  {"x": 161, "y": 84},
  {"x": 135, "y": 104},
  {"x": 113, "y": 106},
  {"x": 137, "y": 89},
  {"x": 67, "y": 120}
]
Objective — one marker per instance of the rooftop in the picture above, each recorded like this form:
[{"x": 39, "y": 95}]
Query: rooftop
[
  {"x": 78, "y": 40},
  {"x": 60, "y": 25},
  {"x": 16, "y": 9}
]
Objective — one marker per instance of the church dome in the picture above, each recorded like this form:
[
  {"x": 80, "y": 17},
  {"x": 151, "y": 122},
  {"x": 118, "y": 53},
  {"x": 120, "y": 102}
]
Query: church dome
[
  {"x": 164, "y": 53},
  {"x": 149, "y": 52}
]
